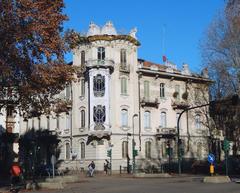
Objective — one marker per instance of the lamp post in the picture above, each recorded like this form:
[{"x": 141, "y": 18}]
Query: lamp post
[
  {"x": 133, "y": 144},
  {"x": 128, "y": 159}
]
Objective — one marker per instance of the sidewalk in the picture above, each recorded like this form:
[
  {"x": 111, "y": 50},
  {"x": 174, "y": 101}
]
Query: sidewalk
[{"x": 4, "y": 186}]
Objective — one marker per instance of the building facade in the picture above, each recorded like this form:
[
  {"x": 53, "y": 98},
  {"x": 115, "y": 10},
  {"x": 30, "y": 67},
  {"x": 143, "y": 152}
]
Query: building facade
[{"x": 118, "y": 99}]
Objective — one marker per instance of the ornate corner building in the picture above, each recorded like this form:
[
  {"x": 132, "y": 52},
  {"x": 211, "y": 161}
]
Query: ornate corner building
[{"x": 119, "y": 99}]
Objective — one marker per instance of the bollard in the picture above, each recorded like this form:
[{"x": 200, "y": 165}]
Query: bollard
[{"x": 211, "y": 169}]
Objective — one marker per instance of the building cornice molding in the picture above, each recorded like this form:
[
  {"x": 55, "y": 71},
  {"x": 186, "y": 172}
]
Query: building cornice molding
[{"x": 148, "y": 72}]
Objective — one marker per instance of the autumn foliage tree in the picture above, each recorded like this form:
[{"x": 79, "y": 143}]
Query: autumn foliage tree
[{"x": 32, "y": 66}]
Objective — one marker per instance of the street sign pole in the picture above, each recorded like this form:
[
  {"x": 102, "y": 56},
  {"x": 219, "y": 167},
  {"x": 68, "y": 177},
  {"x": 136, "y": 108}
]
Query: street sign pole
[
  {"x": 226, "y": 147},
  {"x": 226, "y": 164},
  {"x": 211, "y": 159}
]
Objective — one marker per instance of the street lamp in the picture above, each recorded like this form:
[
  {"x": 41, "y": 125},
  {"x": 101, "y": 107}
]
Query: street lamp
[
  {"x": 128, "y": 159},
  {"x": 133, "y": 144}
]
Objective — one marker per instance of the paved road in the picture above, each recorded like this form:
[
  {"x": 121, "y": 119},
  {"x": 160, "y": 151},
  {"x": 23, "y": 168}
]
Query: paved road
[{"x": 146, "y": 185}]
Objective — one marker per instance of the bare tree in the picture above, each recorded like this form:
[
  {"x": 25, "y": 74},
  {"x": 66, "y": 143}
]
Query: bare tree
[{"x": 221, "y": 51}]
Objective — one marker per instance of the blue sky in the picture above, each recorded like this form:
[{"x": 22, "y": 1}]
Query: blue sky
[{"x": 184, "y": 21}]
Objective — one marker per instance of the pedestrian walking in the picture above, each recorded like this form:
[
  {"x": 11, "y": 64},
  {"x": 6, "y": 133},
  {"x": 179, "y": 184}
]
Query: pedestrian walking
[
  {"x": 106, "y": 166},
  {"x": 15, "y": 173},
  {"x": 91, "y": 168}
]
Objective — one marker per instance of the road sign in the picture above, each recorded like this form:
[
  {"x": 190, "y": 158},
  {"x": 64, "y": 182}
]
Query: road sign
[{"x": 211, "y": 158}]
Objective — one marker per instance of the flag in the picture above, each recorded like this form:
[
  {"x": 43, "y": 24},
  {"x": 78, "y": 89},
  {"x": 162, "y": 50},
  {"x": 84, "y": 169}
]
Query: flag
[{"x": 164, "y": 58}]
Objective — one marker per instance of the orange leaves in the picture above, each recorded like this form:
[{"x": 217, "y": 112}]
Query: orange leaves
[{"x": 32, "y": 49}]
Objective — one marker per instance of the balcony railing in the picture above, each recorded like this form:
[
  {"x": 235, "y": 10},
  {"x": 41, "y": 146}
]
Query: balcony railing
[
  {"x": 124, "y": 68},
  {"x": 164, "y": 132},
  {"x": 180, "y": 104},
  {"x": 100, "y": 63},
  {"x": 153, "y": 102}
]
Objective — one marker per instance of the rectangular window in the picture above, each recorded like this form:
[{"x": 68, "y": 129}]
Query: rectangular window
[
  {"x": 82, "y": 118},
  {"x": 198, "y": 122},
  {"x": 68, "y": 92},
  {"x": 57, "y": 122},
  {"x": 162, "y": 90},
  {"x": 101, "y": 53},
  {"x": 146, "y": 90},
  {"x": 82, "y": 89},
  {"x": 82, "y": 58},
  {"x": 68, "y": 121},
  {"x": 123, "y": 57},
  {"x": 177, "y": 91},
  {"x": 123, "y": 86}
]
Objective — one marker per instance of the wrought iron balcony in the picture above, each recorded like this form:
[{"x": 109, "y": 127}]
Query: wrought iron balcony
[
  {"x": 180, "y": 104},
  {"x": 152, "y": 102},
  {"x": 164, "y": 132},
  {"x": 124, "y": 68}
]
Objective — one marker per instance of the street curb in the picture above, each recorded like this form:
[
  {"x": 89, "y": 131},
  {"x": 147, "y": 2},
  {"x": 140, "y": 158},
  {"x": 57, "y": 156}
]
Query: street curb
[
  {"x": 144, "y": 175},
  {"x": 216, "y": 179}
]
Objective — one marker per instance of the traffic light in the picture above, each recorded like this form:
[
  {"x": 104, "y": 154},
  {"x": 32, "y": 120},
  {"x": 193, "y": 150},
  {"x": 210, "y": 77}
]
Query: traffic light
[
  {"x": 169, "y": 151},
  {"x": 135, "y": 152},
  {"x": 226, "y": 145},
  {"x": 109, "y": 153}
]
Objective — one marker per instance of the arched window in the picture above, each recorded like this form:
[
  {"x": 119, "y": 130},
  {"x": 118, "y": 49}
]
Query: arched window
[
  {"x": 67, "y": 151},
  {"x": 124, "y": 118},
  {"x": 124, "y": 149},
  {"x": 123, "y": 86},
  {"x": 82, "y": 146},
  {"x": 48, "y": 122},
  {"x": 99, "y": 85},
  {"x": 39, "y": 122},
  {"x": 123, "y": 57},
  {"x": 163, "y": 120},
  {"x": 198, "y": 121},
  {"x": 82, "y": 118},
  {"x": 148, "y": 149},
  {"x": 82, "y": 58},
  {"x": 162, "y": 90},
  {"x": 146, "y": 90},
  {"x": 33, "y": 126},
  {"x": 101, "y": 53},
  {"x": 147, "y": 117}
]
